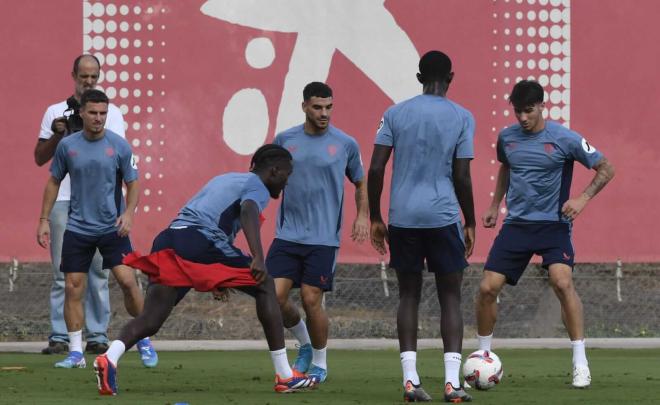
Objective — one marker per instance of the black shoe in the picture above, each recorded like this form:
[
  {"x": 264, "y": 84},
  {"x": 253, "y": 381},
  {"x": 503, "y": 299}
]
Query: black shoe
[
  {"x": 96, "y": 348},
  {"x": 56, "y": 348}
]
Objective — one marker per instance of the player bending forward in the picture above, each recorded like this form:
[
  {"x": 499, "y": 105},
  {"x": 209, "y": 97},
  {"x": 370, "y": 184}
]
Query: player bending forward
[{"x": 197, "y": 251}]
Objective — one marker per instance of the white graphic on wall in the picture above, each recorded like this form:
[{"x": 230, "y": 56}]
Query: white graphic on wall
[{"x": 363, "y": 31}]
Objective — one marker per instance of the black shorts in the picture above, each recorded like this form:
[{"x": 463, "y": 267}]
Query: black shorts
[
  {"x": 442, "y": 248},
  {"x": 517, "y": 243},
  {"x": 79, "y": 249},
  {"x": 190, "y": 244},
  {"x": 303, "y": 264}
]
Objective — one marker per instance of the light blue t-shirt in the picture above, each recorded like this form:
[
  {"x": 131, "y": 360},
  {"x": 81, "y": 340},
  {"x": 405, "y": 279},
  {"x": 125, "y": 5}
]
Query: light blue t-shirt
[
  {"x": 426, "y": 132},
  {"x": 311, "y": 209},
  {"x": 541, "y": 170},
  {"x": 96, "y": 169},
  {"x": 216, "y": 209}
]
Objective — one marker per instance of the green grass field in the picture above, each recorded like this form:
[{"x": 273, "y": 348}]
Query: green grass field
[{"x": 356, "y": 377}]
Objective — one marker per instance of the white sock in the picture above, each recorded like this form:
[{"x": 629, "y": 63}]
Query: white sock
[
  {"x": 409, "y": 366},
  {"x": 579, "y": 355},
  {"x": 300, "y": 332},
  {"x": 319, "y": 358},
  {"x": 485, "y": 342},
  {"x": 115, "y": 351},
  {"x": 281, "y": 363},
  {"x": 75, "y": 341},
  {"x": 452, "y": 367}
]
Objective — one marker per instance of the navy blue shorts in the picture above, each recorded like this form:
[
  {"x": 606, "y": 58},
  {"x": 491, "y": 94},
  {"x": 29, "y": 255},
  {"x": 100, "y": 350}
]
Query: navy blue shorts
[
  {"x": 517, "y": 243},
  {"x": 304, "y": 264},
  {"x": 442, "y": 248},
  {"x": 190, "y": 244},
  {"x": 79, "y": 249}
]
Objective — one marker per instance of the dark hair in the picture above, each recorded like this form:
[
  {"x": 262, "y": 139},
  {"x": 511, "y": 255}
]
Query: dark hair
[
  {"x": 93, "y": 96},
  {"x": 434, "y": 66},
  {"x": 526, "y": 93},
  {"x": 76, "y": 62},
  {"x": 269, "y": 155},
  {"x": 316, "y": 89}
]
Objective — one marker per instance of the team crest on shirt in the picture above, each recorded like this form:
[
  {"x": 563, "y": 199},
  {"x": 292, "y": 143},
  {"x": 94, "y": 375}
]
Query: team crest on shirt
[
  {"x": 109, "y": 152},
  {"x": 292, "y": 148},
  {"x": 587, "y": 148},
  {"x": 510, "y": 145},
  {"x": 549, "y": 148},
  {"x": 332, "y": 150},
  {"x": 73, "y": 153},
  {"x": 133, "y": 161}
]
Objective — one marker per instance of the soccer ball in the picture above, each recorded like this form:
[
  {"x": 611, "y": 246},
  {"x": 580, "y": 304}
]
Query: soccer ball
[{"x": 482, "y": 370}]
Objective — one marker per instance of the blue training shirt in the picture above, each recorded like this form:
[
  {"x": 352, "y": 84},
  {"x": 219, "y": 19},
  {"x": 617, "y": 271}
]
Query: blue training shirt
[
  {"x": 311, "y": 209},
  {"x": 541, "y": 170},
  {"x": 96, "y": 169},
  {"x": 216, "y": 209},
  {"x": 426, "y": 133}
]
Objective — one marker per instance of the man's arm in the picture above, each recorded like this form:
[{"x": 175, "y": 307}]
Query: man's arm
[
  {"x": 250, "y": 223},
  {"x": 360, "y": 230},
  {"x": 125, "y": 220},
  {"x": 604, "y": 173},
  {"x": 379, "y": 159},
  {"x": 45, "y": 148},
  {"x": 50, "y": 195},
  {"x": 463, "y": 188},
  {"x": 490, "y": 217}
]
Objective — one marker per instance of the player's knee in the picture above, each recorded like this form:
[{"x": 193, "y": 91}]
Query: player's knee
[
  {"x": 488, "y": 291},
  {"x": 312, "y": 302},
  {"x": 74, "y": 289},
  {"x": 563, "y": 285}
]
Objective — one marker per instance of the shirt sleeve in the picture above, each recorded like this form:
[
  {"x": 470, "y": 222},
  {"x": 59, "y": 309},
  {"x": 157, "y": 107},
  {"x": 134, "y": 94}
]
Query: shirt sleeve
[
  {"x": 354, "y": 167},
  {"x": 58, "y": 166},
  {"x": 384, "y": 134},
  {"x": 115, "y": 121},
  {"x": 256, "y": 191},
  {"x": 465, "y": 143},
  {"x": 45, "y": 132},
  {"x": 127, "y": 162},
  {"x": 580, "y": 149},
  {"x": 278, "y": 140},
  {"x": 501, "y": 155}
]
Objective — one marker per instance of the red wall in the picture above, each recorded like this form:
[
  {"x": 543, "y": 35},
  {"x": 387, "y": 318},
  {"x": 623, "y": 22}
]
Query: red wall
[{"x": 613, "y": 97}]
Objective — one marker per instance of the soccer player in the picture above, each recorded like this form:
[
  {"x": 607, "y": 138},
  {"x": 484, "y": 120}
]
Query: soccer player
[
  {"x": 304, "y": 251},
  {"x": 97, "y": 161},
  {"x": 54, "y": 127},
  {"x": 535, "y": 173},
  {"x": 432, "y": 139},
  {"x": 197, "y": 250}
]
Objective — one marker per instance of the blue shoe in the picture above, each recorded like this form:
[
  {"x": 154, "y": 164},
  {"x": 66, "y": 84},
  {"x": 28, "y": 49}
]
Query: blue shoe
[
  {"x": 73, "y": 360},
  {"x": 147, "y": 353},
  {"x": 304, "y": 358},
  {"x": 106, "y": 375},
  {"x": 320, "y": 374}
]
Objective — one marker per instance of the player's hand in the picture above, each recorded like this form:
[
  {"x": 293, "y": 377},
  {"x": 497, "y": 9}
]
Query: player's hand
[
  {"x": 124, "y": 224},
  {"x": 58, "y": 126},
  {"x": 360, "y": 231},
  {"x": 490, "y": 217},
  {"x": 43, "y": 233},
  {"x": 469, "y": 236},
  {"x": 379, "y": 236},
  {"x": 258, "y": 270},
  {"x": 573, "y": 207}
]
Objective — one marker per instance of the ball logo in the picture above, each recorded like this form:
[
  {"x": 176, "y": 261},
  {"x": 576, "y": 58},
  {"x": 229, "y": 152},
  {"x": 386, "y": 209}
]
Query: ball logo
[
  {"x": 133, "y": 161},
  {"x": 380, "y": 124},
  {"x": 587, "y": 148}
]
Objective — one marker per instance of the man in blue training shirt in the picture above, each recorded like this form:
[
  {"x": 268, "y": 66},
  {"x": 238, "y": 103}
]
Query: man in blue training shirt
[
  {"x": 432, "y": 139},
  {"x": 202, "y": 235},
  {"x": 535, "y": 173},
  {"x": 97, "y": 160},
  {"x": 304, "y": 251}
]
